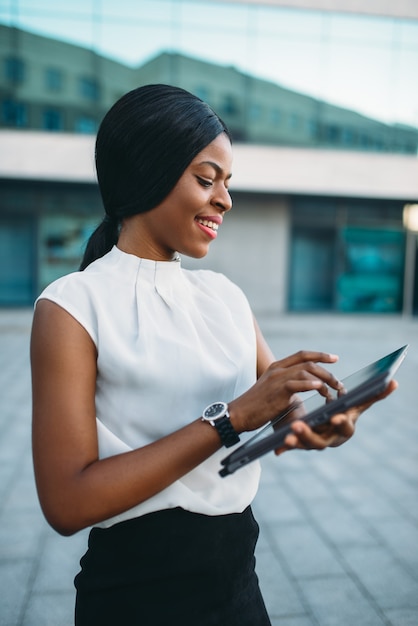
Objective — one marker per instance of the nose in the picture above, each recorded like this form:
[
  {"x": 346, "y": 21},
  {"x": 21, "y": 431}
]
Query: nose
[{"x": 223, "y": 200}]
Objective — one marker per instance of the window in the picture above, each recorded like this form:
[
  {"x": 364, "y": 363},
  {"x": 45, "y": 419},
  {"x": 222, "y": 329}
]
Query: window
[
  {"x": 85, "y": 125},
  {"x": 89, "y": 88},
  {"x": 202, "y": 92},
  {"x": 347, "y": 136},
  {"x": 61, "y": 242},
  {"x": 254, "y": 112},
  {"x": 14, "y": 113},
  {"x": 312, "y": 128},
  {"x": 275, "y": 116},
  {"x": 52, "y": 119},
  {"x": 229, "y": 105},
  {"x": 365, "y": 141},
  {"x": 379, "y": 144},
  {"x": 53, "y": 79},
  {"x": 332, "y": 133},
  {"x": 14, "y": 70},
  {"x": 295, "y": 121}
]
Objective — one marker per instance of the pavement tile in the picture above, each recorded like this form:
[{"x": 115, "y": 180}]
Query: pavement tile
[
  {"x": 50, "y": 609},
  {"x": 367, "y": 501},
  {"x": 385, "y": 579},
  {"x": 20, "y": 535},
  {"x": 402, "y": 617},
  {"x": 275, "y": 504},
  {"x": 297, "y": 620},
  {"x": 339, "y": 529},
  {"x": 15, "y": 577},
  {"x": 280, "y": 593},
  {"x": 397, "y": 536},
  {"x": 303, "y": 550},
  {"x": 337, "y": 601},
  {"x": 340, "y": 525},
  {"x": 59, "y": 562}
]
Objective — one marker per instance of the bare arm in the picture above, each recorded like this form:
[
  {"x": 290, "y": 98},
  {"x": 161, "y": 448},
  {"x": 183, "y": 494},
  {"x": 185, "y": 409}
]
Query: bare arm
[
  {"x": 265, "y": 356},
  {"x": 75, "y": 488}
]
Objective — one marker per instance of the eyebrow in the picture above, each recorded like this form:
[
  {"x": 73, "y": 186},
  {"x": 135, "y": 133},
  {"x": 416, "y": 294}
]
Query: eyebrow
[{"x": 216, "y": 167}]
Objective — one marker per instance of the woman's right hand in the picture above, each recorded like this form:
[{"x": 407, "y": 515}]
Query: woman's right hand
[{"x": 278, "y": 386}]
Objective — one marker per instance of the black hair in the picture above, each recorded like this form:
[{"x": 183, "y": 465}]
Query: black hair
[{"x": 144, "y": 143}]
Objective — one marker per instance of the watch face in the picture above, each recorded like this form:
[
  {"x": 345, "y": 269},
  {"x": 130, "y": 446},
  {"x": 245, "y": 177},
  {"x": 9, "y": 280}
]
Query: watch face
[{"x": 214, "y": 410}]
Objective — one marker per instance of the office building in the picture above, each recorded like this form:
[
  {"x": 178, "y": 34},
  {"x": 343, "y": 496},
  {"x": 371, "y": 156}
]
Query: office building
[{"x": 318, "y": 188}]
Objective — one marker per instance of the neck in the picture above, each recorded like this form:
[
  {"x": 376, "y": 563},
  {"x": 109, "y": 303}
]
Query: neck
[{"x": 133, "y": 240}]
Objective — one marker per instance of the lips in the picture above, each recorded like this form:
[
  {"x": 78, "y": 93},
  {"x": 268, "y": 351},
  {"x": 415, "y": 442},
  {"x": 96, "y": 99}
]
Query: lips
[{"x": 209, "y": 224}]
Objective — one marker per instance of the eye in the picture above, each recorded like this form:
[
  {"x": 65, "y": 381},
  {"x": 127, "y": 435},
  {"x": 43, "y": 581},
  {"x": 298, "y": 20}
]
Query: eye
[{"x": 204, "y": 182}]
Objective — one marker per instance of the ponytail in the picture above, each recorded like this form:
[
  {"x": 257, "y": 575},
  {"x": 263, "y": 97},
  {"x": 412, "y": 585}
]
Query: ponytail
[{"x": 101, "y": 241}]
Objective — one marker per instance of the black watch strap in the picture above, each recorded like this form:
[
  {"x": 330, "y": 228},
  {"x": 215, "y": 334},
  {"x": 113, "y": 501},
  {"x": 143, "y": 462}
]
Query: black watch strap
[{"x": 226, "y": 431}]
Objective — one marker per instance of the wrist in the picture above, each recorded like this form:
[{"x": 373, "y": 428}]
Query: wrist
[
  {"x": 217, "y": 415},
  {"x": 236, "y": 418}
]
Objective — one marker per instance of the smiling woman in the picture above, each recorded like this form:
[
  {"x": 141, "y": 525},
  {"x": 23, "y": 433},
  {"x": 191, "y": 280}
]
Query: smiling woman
[{"x": 126, "y": 355}]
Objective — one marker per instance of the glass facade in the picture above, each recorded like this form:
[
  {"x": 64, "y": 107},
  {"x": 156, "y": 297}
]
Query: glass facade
[
  {"x": 61, "y": 242},
  {"x": 278, "y": 75},
  {"x": 17, "y": 275},
  {"x": 347, "y": 256},
  {"x": 44, "y": 227}
]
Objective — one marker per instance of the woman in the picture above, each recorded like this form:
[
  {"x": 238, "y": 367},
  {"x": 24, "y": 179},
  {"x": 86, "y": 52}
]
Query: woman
[{"x": 126, "y": 355}]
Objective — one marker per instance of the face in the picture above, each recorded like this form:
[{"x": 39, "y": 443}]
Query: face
[{"x": 190, "y": 217}]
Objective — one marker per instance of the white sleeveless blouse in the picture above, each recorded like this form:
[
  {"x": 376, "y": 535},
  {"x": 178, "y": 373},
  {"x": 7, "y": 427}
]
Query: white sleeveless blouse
[{"x": 170, "y": 341}]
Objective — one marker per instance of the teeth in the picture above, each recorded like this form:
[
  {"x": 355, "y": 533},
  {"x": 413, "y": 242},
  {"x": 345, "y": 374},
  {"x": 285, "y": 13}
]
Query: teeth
[{"x": 208, "y": 223}]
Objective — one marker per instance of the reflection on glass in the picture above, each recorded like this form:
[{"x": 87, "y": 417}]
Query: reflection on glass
[
  {"x": 371, "y": 279},
  {"x": 62, "y": 243},
  {"x": 349, "y": 80}
]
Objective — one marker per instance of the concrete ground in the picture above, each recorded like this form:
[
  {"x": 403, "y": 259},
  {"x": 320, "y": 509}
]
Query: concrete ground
[{"x": 339, "y": 528}]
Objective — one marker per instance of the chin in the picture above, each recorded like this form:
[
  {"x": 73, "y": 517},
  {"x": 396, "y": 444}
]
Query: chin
[{"x": 196, "y": 253}]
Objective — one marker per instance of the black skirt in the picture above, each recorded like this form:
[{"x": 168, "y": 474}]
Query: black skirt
[{"x": 172, "y": 567}]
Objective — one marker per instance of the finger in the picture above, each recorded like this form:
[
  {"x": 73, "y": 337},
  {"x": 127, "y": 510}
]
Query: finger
[
  {"x": 343, "y": 425},
  {"x": 306, "y": 355},
  {"x": 306, "y": 384},
  {"x": 308, "y": 370},
  {"x": 305, "y": 438},
  {"x": 391, "y": 387},
  {"x": 326, "y": 376}
]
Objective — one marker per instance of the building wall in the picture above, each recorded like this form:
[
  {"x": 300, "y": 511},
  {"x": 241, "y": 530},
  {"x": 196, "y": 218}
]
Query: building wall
[
  {"x": 309, "y": 230},
  {"x": 265, "y": 246},
  {"x": 287, "y": 252}
]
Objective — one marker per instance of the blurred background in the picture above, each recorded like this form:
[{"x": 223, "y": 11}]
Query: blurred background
[{"x": 322, "y": 101}]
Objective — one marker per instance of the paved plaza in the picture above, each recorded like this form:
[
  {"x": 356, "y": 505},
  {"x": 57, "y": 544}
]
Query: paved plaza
[{"x": 339, "y": 528}]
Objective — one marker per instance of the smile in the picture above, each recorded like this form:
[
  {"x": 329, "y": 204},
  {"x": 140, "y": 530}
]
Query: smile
[{"x": 208, "y": 223}]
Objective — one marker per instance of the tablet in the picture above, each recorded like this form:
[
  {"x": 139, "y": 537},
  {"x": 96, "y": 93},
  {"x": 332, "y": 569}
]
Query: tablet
[{"x": 359, "y": 388}]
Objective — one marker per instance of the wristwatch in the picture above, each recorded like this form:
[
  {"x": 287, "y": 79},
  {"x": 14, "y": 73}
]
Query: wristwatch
[{"x": 217, "y": 415}]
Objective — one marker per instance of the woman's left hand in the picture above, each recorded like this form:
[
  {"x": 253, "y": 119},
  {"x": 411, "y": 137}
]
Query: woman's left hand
[{"x": 337, "y": 431}]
